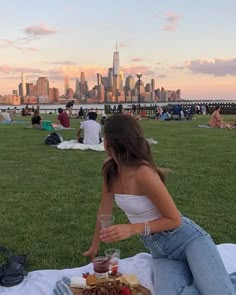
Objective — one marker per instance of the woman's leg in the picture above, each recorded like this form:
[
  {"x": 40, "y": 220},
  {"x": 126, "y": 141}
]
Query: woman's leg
[
  {"x": 208, "y": 270},
  {"x": 171, "y": 277}
]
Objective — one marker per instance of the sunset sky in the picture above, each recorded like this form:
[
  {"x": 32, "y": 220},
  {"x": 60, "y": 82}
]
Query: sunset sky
[{"x": 183, "y": 44}]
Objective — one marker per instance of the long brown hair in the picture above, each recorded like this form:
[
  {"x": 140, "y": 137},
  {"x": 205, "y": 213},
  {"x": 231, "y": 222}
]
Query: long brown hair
[{"x": 126, "y": 138}]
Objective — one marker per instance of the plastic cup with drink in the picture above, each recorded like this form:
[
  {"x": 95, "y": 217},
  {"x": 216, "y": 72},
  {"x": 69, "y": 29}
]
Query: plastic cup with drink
[
  {"x": 113, "y": 256},
  {"x": 101, "y": 267},
  {"x": 106, "y": 220}
]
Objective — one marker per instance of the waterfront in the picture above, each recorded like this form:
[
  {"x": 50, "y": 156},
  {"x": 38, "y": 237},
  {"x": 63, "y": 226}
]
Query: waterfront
[
  {"x": 54, "y": 107},
  {"x": 47, "y": 108}
]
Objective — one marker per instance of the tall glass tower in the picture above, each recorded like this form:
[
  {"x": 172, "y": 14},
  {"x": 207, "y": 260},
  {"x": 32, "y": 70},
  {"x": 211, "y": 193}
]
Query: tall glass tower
[
  {"x": 23, "y": 84},
  {"x": 116, "y": 63}
]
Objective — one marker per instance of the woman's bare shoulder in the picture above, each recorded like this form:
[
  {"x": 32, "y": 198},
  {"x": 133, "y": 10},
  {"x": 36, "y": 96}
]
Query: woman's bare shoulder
[{"x": 145, "y": 171}]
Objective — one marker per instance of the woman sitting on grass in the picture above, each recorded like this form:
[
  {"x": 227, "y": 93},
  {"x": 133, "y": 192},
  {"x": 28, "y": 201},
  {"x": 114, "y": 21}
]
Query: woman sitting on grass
[
  {"x": 217, "y": 121},
  {"x": 36, "y": 120},
  {"x": 185, "y": 259}
]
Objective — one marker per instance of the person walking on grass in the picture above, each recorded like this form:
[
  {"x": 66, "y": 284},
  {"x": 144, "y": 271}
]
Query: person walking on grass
[{"x": 184, "y": 256}]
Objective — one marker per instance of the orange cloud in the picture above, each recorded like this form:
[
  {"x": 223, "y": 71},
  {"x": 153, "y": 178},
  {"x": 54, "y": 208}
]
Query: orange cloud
[
  {"x": 136, "y": 59},
  {"x": 133, "y": 70},
  {"x": 13, "y": 70},
  {"x": 74, "y": 71},
  {"x": 6, "y": 43}
]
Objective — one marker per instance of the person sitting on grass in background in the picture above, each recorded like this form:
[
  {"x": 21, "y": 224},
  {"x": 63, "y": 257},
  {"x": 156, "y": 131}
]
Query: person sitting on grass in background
[
  {"x": 91, "y": 130},
  {"x": 103, "y": 119},
  {"x": 11, "y": 113},
  {"x": 36, "y": 120},
  {"x": 165, "y": 116},
  {"x": 63, "y": 120},
  {"x": 5, "y": 117},
  {"x": 69, "y": 107},
  {"x": 217, "y": 121},
  {"x": 81, "y": 113},
  {"x": 185, "y": 259}
]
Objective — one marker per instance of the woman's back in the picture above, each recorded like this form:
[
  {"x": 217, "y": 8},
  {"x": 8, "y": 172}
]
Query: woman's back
[{"x": 215, "y": 120}]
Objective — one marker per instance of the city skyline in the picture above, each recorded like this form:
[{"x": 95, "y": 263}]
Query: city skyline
[{"x": 181, "y": 45}]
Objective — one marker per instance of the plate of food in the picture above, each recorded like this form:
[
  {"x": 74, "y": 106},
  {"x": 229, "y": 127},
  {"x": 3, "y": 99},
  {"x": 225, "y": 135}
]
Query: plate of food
[{"x": 127, "y": 284}]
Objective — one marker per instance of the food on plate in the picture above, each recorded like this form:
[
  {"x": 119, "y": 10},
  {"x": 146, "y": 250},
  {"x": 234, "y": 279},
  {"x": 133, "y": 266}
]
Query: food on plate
[
  {"x": 91, "y": 280},
  {"x": 78, "y": 282},
  {"x": 130, "y": 279},
  {"x": 85, "y": 274},
  {"x": 115, "y": 287}
]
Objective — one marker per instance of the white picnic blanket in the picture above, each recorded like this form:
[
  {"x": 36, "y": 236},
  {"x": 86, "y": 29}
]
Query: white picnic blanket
[
  {"x": 75, "y": 145},
  {"x": 207, "y": 126},
  {"x": 42, "y": 282}
]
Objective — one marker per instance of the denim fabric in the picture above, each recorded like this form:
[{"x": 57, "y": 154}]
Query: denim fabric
[{"x": 186, "y": 261}]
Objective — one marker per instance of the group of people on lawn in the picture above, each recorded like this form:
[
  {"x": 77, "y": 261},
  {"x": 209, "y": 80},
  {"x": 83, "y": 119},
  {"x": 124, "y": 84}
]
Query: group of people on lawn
[
  {"x": 89, "y": 132},
  {"x": 184, "y": 257}
]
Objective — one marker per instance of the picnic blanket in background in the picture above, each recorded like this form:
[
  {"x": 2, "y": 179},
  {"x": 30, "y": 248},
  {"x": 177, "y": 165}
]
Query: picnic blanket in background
[
  {"x": 53, "y": 129},
  {"x": 43, "y": 282},
  {"x": 61, "y": 129},
  {"x": 13, "y": 122},
  {"x": 75, "y": 145},
  {"x": 207, "y": 126},
  {"x": 204, "y": 126}
]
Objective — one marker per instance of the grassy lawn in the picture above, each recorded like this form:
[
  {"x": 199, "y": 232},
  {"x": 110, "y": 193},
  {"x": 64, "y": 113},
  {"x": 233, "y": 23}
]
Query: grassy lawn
[{"x": 49, "y": 197}]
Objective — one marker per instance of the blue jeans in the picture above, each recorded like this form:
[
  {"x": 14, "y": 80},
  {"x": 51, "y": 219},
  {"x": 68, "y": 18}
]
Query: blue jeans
[{"x": 187, "y": 262}]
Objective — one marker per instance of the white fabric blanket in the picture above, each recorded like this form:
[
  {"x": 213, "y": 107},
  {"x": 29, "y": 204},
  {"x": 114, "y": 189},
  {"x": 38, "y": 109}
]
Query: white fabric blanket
[
  {"x": 42, "y": 282},
  {"x": 75, "y": 145}
]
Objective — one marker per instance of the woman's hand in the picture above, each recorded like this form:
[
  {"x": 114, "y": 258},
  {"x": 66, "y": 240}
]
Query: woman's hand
[
  {"x": 116, "y": 233},
  {"x": 92, "y": 252}
]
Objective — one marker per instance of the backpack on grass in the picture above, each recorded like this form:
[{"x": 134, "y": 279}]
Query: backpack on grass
[
  {"x": 12, "y": 272},
  {"x": 53, "y": 139}
]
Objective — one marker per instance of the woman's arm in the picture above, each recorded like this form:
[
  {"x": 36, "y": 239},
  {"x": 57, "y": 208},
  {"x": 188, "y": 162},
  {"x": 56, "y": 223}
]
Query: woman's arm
[
  {"x": 150, "y": 185},
  {"x": 105, "y": 207}
]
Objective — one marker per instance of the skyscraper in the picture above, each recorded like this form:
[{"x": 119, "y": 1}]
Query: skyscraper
[
  {"x": 130, "y": 83},
  {"x": 99, "y": 79},
  {"x": 42, "y": 87},
  {"x": 117, "y": 81},
  {"x": 67, "y": 86},
  {"x": 116, "y": 63},
  {"x": 83, "y": 85},
  {"x": 110, "y": 78},
  {"x": 23, "y": 84},
  {"x": 77, "y": 88}
]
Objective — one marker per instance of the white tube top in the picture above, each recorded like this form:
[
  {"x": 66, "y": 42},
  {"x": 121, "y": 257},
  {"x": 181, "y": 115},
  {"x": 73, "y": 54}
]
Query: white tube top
[{"x": 137, "y": 208}]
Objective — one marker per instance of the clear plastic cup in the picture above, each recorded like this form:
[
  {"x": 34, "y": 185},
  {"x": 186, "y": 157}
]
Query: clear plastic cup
[
  {"x": 101, "y": 267},
  {"x": 114, "y": 257},
  {"x": 106, "y": 220}
]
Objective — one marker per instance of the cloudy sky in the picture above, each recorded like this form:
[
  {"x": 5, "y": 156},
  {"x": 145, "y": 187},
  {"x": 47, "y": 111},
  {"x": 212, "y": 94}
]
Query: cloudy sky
[{"x": 183, "y": 44}]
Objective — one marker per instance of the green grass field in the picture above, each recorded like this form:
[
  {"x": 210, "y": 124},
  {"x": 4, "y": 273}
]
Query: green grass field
[{"x": 49, "y": 197}]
